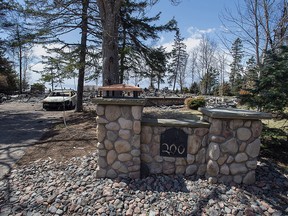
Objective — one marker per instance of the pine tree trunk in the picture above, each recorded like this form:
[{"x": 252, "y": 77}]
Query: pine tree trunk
[
  {"x": 109, "y": 12},
  {"x": 83, "y": 46}
]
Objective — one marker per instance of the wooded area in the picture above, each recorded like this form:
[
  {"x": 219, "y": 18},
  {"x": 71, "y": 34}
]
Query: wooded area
[{"x": 113, "y": 46}]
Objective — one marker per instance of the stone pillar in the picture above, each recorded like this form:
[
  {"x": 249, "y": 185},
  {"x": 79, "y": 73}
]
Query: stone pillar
[
  {"x": 233, "y": 144},
  {"x": 118, "y": 133}
]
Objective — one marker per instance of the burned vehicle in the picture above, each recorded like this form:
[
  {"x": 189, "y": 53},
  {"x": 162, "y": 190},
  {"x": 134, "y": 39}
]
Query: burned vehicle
[{"x": 60, "y": 99}]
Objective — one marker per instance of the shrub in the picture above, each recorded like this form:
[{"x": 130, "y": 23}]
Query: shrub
[
  {"x": 187, "y": 101},
  {"x": 195, "y": 103}
]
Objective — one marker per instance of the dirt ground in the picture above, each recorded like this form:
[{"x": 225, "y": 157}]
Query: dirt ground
[{"x": 76, "y": 138}]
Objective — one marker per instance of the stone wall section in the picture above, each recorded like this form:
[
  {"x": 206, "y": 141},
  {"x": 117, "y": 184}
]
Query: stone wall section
[
  {"x": 233, "y": 147},
  {"x": 223, "y": 147},
  {"x": 193, "y": 164},
  {"x": 118, "y": 133}
]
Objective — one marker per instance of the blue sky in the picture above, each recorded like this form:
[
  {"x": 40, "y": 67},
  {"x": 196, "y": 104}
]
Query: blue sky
[{"x": 193, "y": 15}]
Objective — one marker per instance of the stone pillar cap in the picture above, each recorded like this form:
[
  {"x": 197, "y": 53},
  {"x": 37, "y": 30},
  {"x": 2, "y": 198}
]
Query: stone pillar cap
[{"x": 231, "y": 113}]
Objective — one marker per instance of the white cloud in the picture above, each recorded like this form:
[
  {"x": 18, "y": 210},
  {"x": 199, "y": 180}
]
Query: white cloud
[
  {"x": 197, "y": 33},
  {"x": 191, "y": 43}
]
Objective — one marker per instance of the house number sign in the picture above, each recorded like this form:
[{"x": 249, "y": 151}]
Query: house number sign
[{"x": 173, "y": 143}]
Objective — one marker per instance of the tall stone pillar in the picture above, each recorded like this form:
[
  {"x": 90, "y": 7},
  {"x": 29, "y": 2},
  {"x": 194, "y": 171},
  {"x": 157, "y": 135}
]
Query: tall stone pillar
[
  {"x": 118, "y": 133},
  {"x": 233, "y": 144}
]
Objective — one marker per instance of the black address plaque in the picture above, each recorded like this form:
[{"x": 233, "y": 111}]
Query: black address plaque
[{"x": 173, "y": 143}]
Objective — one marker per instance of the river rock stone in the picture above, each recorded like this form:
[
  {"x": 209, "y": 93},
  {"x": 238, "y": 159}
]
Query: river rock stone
[
  {"x": 155, "y": 168},
  {"x": 168, "y": 168},
  {"x": 230, "y": 146},
  {"x": 241, "y": 157},
  {"x": 224, "y": 169},
  {"x": 125, "y": 123},
  {"x": 212, "y": 168},
  {"x": 237, "y": 123},
  {"x": 217, "y": 139},
  {"x": 180, "y": 170},
  {"x": 126, "y": 112},
  {"x": 124, "y": 134},
  {"x": 252, "y": 164},
  {"x": 136, "y": 141},
  {"x": 147, "y": 158},
  {"x": 214, "y": 151},
  {"x": 100, "y": 173},
  {"x": 112, "y": 135},
  {"x": 190, "y": 170},
  {"x": 135, "y": 152},
  {"x": 114, "y": 126},
  {"x": 256, "y": 128},
  {"x": 216, "y": 127},
  {"x": 200, "y": 157},
  {"x": 101, "y": 132},
  {"x": 194, "y": 143},
  {"x": 111, "y": 174},
  {"x": 201, "y": 170},
  {"x": 137, "y": 127},
  {"x": 237, "y": 179},
  {"x": 108, "y": 144},
  {"x": 190, "y": 159},
  {"x": 222, "y": 159},
  {"x": 243, "y": 133},
  {"x": 111, "y": 157},
  {"x": 122, "y": 146},
  {"x": 112, "y": 113},
  {"x": 124, "y": 157},
  {"x": 249, "y": 178},
  {"x": 253, "y": 148},
  {"x": 137, "y": 112},
  {"x": 101, "y": 120},
  {"x": 102, "y": 162},
  {"x": 146, "y": 135},
  {"x": 238, "y": 168},
  {"x": 201, "y": 131},
  {"x": 100, "y": 110}
]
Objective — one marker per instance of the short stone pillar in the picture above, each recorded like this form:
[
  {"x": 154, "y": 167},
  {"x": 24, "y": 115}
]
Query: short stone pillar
[
  {"x": 118, "y": 133},
  {"x": 233, "y": 144}
]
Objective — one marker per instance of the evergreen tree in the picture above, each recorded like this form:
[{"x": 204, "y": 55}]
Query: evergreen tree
[
  {"x": 8, "y": 81},
  {"x": 136, "y": 28},
  {"x": 59, "y": 18},
  {"x": 194, "y": 88},
  {"x": 210, "y": 81},
  {"x": 19, "y": 42},
  {"x": 251, "y": 74},
  {"x": 235, "y": 77},
  {"x": 157, "y": 61},
  {"x": 178, "y": 59},
  {"x": 271, "y": 92},
  {"x": 110, "y": 14}
]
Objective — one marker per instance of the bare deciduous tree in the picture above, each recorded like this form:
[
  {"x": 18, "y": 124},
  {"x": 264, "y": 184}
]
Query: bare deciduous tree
[{"x": 260, "y": 24}]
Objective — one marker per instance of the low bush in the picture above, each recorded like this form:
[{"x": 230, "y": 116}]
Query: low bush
[{"x": 194, "y": 103}]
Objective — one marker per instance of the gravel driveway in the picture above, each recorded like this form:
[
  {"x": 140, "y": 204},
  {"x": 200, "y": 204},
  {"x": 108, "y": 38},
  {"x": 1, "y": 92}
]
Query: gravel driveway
[{"x": 22, "y": 123}]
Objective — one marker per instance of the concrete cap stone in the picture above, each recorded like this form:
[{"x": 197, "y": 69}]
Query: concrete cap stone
[{"x": 230, "y": 113}]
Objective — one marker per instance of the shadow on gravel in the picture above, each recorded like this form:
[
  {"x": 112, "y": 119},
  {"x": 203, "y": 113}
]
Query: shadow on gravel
[
  {"x": 268, "y": 196},
  {"x": 18, "y": 132}
]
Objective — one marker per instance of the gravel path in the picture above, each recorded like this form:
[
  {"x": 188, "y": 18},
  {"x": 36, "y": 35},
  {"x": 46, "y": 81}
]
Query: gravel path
[{"x": 70, "y": 188}]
